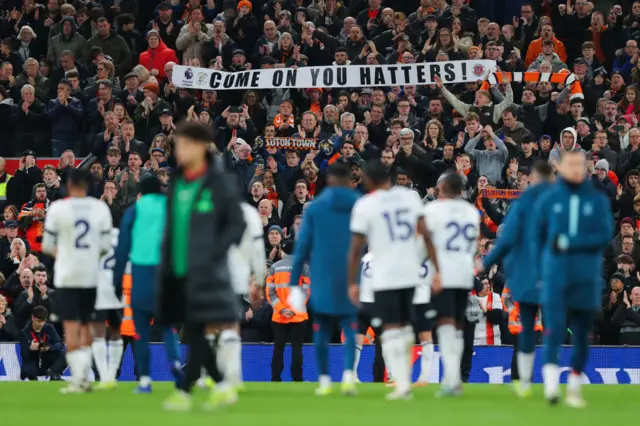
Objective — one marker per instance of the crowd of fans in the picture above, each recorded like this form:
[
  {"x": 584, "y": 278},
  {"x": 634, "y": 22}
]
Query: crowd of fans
[{"x": 93, "y": 78}]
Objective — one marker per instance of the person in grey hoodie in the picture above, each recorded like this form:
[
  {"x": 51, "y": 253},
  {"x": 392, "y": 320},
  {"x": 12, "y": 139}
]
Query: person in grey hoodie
[
  {"x": 70, "y": 40},
  {"x": 568, "y": 142},
  {"x": 490, "y": 161}
]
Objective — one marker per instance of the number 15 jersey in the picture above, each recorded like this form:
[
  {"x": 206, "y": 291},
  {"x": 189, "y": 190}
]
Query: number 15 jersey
[
  {"x": 388, "y": 218},
  {"x": 78, "y": 230},
  {"x": 454, "y": 226}
]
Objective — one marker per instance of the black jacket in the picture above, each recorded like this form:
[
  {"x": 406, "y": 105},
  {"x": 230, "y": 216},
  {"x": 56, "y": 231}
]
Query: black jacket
[
  {"x": 258, "y": 328},
  {"x": 210, "y": 236},
  {"x": 47, "y": 336},
  {"x": 9, "y": 332}
]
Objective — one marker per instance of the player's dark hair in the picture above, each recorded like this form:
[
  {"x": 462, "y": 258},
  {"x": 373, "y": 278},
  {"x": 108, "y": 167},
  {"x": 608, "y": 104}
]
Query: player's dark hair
[
  {"x": 340, "y": 171},
  {"x": 376, "y": 172},
  {"x": 194, "y": 131},
  {"x": 79, "y": 178},
  {"x": 150, "y": 185},
  {"x": 40, "y": 312},
  {"x": 452, "y": 184},
  {"x": 543, "y": 169}
]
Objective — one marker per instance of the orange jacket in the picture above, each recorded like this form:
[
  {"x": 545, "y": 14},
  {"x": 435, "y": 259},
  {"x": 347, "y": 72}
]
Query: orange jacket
[
  {"x": 278, "y": 290},
  {"x": 535, "y": 49},
  {"x": 33, "y": 227}
]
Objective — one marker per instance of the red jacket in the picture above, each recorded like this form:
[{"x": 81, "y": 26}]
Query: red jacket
[{"x": 155, "y": 59}]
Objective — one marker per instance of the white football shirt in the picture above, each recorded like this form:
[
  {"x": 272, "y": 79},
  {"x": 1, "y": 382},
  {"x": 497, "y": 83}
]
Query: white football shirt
[
  {"x": 248, "y": 257},
  {"x": 106, "y": 295},
  {"x": 388, "y": 218},
  {"x": 366, "y": 276},
  {"x": 77, "y": 231},
  {"x": 454, "y": 225},
  {"x": 422, "y": 293}
]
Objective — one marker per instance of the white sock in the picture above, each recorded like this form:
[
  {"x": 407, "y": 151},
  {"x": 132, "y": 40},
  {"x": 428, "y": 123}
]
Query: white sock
[
  {"x": 357, "y": 360},
  {"x": 425, "y": 361},
  {"x": 145, "y": 381},
  {"x": 348, "y": 376},
  {"x": 230, "y": 357},
  {"x": 394, "y": 345},
  {"x": 573, "y": 383},
  {"x": 87, "y": 361},
  {"x": 75, "y": 361},
  {"x": 99, "y": 351},
  {"x": 324, "y": 381},
  {"x": 449, "y": 349},
  {"x": 525, "y": 367},
  {"x": 115, "y": 350},
  {"x": 551, "y": 376}
]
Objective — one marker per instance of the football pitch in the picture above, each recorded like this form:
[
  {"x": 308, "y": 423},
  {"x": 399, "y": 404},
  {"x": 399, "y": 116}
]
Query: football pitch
[{"x": 278, "y": 404}]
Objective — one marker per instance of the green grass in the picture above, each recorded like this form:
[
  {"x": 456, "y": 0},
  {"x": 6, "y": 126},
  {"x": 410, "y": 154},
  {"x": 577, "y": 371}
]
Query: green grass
[{"x": 278, "y": 404}]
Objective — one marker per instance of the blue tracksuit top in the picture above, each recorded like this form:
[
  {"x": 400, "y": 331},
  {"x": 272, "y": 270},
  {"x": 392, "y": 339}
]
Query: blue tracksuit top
[
  {"x": 140, "y": 240},
  {"x": 324, "y": 241},
  {"x": 520, "y": 263},
  {"x": 582, "y": 213}
]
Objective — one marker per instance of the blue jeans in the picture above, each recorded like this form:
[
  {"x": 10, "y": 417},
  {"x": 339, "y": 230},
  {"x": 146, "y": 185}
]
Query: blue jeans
[{"x": 59, "y": 146}]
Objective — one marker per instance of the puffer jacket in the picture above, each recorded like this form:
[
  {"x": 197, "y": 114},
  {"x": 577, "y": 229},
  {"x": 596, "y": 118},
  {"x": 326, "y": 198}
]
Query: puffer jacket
[{"x": 155, "y": 59}]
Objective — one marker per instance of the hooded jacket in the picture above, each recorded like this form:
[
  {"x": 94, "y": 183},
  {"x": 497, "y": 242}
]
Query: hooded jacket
[
  {"x": 328, "y": 215},
  {"x": 75, "y": 43},
  {"x": 554, "y": 156},
  {"x": 556, "y": 63},
  {"x": 155, "y": 59}
]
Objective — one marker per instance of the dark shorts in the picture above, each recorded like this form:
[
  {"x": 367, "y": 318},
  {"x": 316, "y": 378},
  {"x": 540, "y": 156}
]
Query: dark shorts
[
  {"x": 394, "y": 306},
  {"x": 365, "y": 317},
  {"x": 76, "y": 304},
  {"x": 113, "y": 317},
  {"x": 451, "y": 303},
  {"x": 424, "y": 315}
]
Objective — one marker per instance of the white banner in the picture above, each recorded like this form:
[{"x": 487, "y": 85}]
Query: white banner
[{"x": 334, "y": 76}]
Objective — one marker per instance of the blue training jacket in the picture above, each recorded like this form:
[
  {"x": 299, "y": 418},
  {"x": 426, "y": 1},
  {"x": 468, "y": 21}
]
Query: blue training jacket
[
  {"x": 140, "y": 241},
  {"x": 324, "y": 240},
  {"x": 582, "y": 213},
  {"x": 512, "y": 245}
]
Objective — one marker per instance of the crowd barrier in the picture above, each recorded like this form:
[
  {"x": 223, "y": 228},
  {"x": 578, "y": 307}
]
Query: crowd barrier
[{"x": 491, "y": 364}]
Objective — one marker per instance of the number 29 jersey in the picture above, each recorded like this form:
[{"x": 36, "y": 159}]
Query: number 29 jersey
[
  {"x": 78, "y": 229},
  {"x": 388, "y": 218},
  {"x": 454, "y": 225}
]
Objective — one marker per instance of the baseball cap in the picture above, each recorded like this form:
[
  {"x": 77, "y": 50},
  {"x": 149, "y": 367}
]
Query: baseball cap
[
  {"x": 238, "y": 52},
  {"x": 165, "y": 5},
  {"x": 10, "y": 224},
  {"x": 431, "y": 17},
  {"x": 366, "y": 92},
  {"x": 166, "y": 111},
  {"x": 160, "y": 150}
]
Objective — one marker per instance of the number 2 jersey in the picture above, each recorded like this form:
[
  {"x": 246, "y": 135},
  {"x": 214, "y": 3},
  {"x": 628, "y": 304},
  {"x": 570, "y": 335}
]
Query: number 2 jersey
[
  {"x": 454, "y": 225},
  {"x": 106, "y": 295},
  {"x": 388, "y": 218},
  {"x": 77, "y": 230}
]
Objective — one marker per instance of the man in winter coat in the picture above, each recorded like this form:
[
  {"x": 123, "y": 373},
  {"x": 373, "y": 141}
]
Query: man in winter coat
[
  {"x": 41, "y": 347},
  {"x": 157, "y": 55},
  {"x": 568, "y": 142},
  {"x": 329, "y": 215},
  {"x": 66, "y": 115},
  {"x": 513, "y": 245},
  {"x": 32, "y": 216},
  {"x": 112, "y": 45},
  {"x": 574, "y": 223},
  {"x": 68, "y": 40},
  {"x": 600, "y": 177},
  {"x": 204, "y": 219}
]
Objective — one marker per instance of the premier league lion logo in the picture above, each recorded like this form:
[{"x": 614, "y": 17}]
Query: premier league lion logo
[{"x": 188, "y": 74}]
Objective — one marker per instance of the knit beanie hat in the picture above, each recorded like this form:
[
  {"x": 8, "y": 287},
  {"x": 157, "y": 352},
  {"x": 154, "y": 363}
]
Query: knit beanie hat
[
  {"x": 245, "y": 3},
  {"x": 153, "y": 33}
]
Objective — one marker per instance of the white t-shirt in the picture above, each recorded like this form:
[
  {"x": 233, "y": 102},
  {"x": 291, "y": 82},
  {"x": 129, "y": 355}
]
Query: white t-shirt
[
  {"x": 454, "y": 225},
  {"x": 106, "y": 295},
  {"x": 249, "y": 256},
  {"x": 77, "y": 231},
  {"x": 388, "y": 218}
]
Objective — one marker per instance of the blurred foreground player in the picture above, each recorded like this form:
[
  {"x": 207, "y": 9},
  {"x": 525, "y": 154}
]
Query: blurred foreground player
[
  {"x": 513, "y": 245},
  {"x": 140, "y": 243},
  {"x": 454, "y": 225},
  {"x": 324, "y": 240},
  {"x": 109, "y": 310},
  {"x": 389, "y": 219},
  {"x": 204, "y": 219},
  {"x": 77, "y": 232},
  {"x": 574, "y": 223}
]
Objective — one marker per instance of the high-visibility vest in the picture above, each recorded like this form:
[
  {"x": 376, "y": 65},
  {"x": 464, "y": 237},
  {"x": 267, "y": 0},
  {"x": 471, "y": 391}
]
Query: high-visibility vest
[
  {"x": 3, "y": 187},
  {"x": 127, "y": 328},
  {"x": 513, "y": 308}
]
